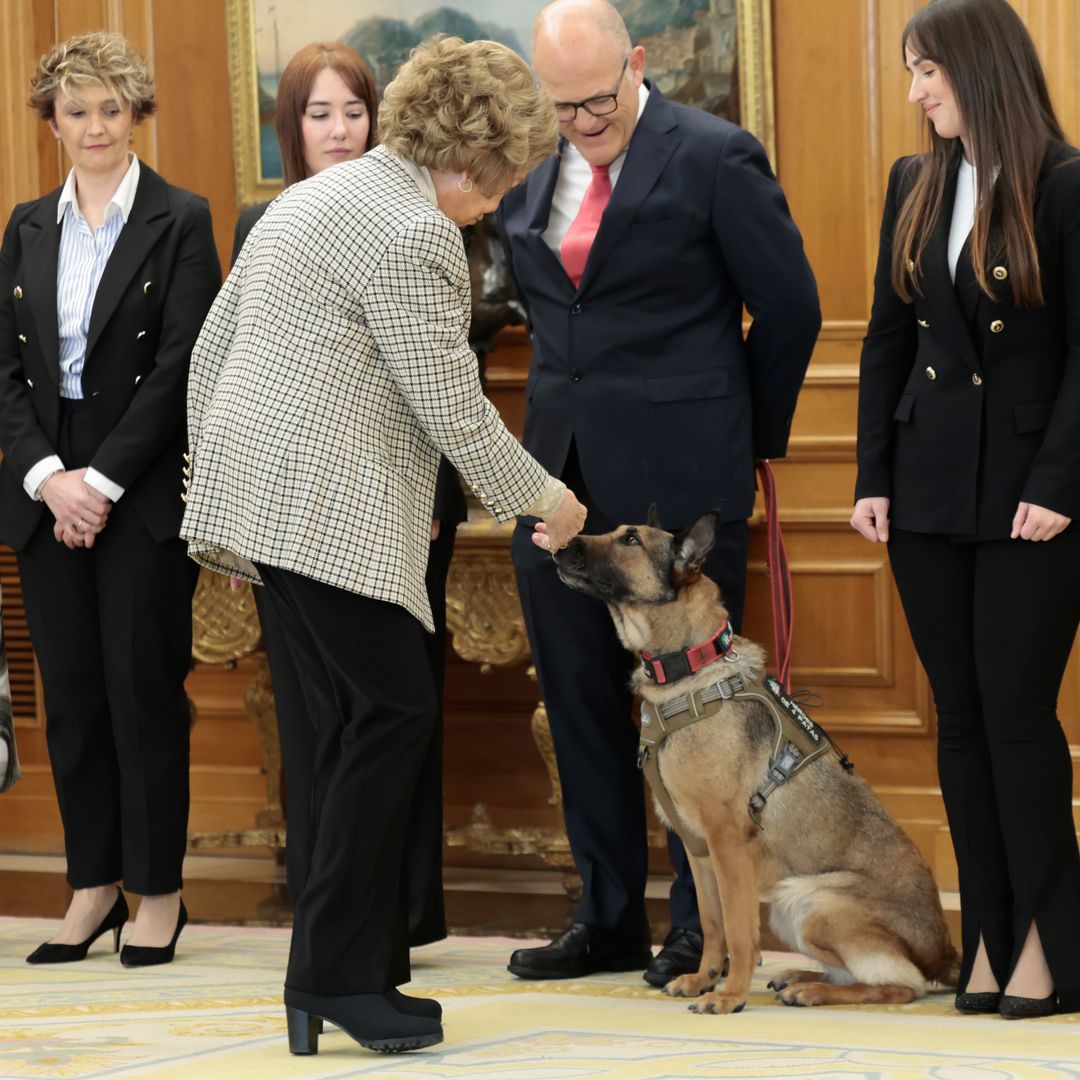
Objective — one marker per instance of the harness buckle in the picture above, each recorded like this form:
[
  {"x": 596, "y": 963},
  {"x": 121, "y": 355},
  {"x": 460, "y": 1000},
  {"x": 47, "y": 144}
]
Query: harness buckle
[{"x": 642, "y": 756}]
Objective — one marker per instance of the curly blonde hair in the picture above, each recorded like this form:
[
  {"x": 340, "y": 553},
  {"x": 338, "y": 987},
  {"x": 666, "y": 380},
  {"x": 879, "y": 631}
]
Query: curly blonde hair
[
  {"x": 98, "y": 58},
  {"x": 474, "y": 106}
]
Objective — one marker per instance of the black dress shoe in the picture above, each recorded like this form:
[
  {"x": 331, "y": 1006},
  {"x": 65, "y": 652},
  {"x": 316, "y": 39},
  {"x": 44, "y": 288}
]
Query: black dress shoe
[
  {"x": 680, "y": 955},
  {"x": 986, "y": 1001},
  {"x": 1023, "y": 1008},
  {"x": 148, "y": 955},
  {"x": 50, "y": 953},
  {"x": 582, "y": 950},
  {"x": 369, "y": 1019}
]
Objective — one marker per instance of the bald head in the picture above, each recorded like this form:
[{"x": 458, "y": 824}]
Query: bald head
[{"x": 572, "y": 23}]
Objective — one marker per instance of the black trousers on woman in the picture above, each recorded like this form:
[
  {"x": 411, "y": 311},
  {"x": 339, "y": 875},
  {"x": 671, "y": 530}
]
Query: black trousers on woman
[
  {"x": 993, "y": 623},
  {"x": 424, "y": 842},
  {"x": 111, "y": 627},
  {"x": 371, "y": 697}
]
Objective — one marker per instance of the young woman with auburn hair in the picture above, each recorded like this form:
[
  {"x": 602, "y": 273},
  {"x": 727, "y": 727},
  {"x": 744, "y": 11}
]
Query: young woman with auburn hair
[{"x": 969, "y": 467}]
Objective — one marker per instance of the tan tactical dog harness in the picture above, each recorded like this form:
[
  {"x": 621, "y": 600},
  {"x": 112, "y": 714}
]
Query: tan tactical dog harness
[{"x": 797, "y": 741}]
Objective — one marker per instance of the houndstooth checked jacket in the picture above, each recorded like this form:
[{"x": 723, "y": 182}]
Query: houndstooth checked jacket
[{"x": 333, "y": 368}]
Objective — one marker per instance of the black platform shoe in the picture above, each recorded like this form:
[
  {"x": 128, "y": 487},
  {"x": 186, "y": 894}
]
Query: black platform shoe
[
  {"x": 582, "y": 950},
  {"x": 1023, "y": 1008},
  {"x": 50, "y": 953},
  {"x": 986, "y": 1001},
  {"x": 680, "y": 955},
  {"x": 369, "y": 1019},
  {"x": 148, "y": 955}
]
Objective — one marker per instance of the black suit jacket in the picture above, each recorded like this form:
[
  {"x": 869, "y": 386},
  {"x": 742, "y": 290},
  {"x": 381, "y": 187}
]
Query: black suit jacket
[
  {"x": 155, "y": 292},
  {"x": 644, "y": 367},
  {"x": 968, "y": 405}
]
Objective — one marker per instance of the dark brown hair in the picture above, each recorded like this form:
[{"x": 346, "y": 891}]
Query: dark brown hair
[
  {"x": 295, "y": 88},
  {"x": 989, "y": 60}
]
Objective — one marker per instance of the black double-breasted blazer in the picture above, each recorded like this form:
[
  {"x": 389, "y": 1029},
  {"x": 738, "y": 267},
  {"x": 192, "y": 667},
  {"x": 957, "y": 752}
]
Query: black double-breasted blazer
[
  {"x": 969, "y": 405},
  {"x": 644, "y": 367},
  {"x": 157, "y": 287}
]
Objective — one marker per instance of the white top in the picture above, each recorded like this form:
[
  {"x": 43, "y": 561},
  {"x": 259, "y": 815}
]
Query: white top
[
  {"x": 575, "y": 176},
  {"x": 963, "y": 214},
  {"x": 80, "y": 264}
]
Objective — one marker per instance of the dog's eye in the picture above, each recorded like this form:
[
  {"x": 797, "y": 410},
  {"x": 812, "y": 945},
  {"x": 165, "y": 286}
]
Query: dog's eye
[{"x": 631, "y": 539}]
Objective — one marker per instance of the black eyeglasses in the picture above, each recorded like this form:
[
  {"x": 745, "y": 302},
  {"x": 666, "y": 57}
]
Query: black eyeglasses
[{"x": 601, "y": 105}]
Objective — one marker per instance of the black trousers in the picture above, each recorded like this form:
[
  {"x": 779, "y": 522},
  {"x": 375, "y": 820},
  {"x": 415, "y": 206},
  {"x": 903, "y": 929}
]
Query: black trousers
[
  {"x": 994, "y": 623},
  {"x": 368, "y": 691},
  {"x": 111, "y": 627},
  {"x": 424, "y": 844},
  {"x": 584, "y": 674}
]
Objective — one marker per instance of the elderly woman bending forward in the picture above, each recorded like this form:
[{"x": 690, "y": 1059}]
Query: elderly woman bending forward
[{"x": 332, "y": 370}]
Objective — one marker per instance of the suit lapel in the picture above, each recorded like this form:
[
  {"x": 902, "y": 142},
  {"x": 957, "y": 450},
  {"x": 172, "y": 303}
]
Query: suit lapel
[
  {"x": 539, "y": 192},
  {"x": 40, "y": 239},
  {"x": 947, "y": 315},
  {"x": 653, "y": 142},
  {"x": 148, "y": 219}
]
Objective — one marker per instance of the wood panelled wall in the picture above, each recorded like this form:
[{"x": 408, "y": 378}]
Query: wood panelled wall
[{"x": 842, "y": 118}]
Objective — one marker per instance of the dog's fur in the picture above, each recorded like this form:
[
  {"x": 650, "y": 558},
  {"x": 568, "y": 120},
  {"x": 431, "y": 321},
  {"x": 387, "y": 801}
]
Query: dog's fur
[{"x": 846, "y": 885}]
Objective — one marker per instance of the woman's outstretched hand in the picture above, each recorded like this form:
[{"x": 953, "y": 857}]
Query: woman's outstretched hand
[{"x": 561, "y": 525}]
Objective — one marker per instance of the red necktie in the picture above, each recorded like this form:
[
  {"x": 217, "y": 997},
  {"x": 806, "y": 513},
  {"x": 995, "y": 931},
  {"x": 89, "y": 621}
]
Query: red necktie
[{"x": 579, "y": 237}]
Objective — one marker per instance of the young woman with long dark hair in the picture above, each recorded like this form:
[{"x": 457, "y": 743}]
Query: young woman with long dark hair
[{"x": 969, "y": 467}]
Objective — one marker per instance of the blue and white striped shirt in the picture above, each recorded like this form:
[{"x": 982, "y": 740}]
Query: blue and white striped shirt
[{"x": 81, "y": 262}]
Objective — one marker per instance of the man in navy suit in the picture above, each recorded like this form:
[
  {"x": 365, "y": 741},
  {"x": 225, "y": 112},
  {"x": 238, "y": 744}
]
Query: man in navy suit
[{"x": 635, "y": 251}]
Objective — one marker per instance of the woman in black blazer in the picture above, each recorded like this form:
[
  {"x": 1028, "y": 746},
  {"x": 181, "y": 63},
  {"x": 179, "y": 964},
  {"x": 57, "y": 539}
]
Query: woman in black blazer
[
  {"x": 104, "y": 284},
  {"x": 969, "y": 467},
  {"x": 326, "y": 113}
]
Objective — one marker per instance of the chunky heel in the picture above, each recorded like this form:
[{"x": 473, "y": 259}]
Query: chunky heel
[{"x": 304, "y": 1031}]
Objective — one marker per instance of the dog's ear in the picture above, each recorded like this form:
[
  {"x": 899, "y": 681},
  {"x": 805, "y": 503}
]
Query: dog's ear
[
  {"x": 653, "y": 518},
  {"x": 693, "y": 544}
]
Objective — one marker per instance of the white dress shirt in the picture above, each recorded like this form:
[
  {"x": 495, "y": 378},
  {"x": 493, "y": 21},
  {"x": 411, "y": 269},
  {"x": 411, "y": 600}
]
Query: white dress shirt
[
  {"x": 575, "y": 176},
  {"x": 83, "y": 257},
  {"x": 963, "y": 214}
]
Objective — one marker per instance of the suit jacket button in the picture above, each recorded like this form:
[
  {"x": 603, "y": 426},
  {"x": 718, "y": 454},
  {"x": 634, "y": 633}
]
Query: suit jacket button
[
  {"x": 146, "y": 287},
  {"x": 997, "y": 326},
  {"x": 1000, "y": 273},
  {"x": 141, "y": 334},
  {"x": 923, "y": 323},
  {"x": 575, "y": 375},
  {"x": 30, "y": 383},
  {"x": 575, "y": 309},
  {"x": 977, "y": 380},
  {"x": 23, "y": 338},
  {"x": 931, "y": 374},
  {"x": 18, "y": 292}
]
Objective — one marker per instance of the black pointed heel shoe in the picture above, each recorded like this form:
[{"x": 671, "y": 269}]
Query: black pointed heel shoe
[
  {"x": 369, "y": 1019},
  {"x": 148, "y": 955},
  {"x": 1023, "y": 1008},
  {"x": 51, "y": 953},
  {"x": 986, "y": 1001}
]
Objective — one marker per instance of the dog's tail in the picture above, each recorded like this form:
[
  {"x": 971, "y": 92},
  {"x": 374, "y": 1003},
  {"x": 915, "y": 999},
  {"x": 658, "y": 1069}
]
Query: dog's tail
[{"x": 946, "y": 973}]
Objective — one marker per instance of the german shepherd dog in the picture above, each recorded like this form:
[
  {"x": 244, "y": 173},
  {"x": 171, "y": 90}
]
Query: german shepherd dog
[{"x": 846, "y": 885}]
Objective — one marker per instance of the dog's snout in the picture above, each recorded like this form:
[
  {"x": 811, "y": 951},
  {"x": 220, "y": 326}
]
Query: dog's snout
[{"x": 573, "y": 555}]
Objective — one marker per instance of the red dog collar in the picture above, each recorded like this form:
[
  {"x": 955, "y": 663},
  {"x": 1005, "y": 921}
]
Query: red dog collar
[{"x": 667, "y": 667}]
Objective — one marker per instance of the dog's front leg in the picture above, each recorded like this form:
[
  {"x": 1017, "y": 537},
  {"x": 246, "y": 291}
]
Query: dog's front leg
[
  {"x": 714, "y": 953},
  {"x": 732, "y": 855}
]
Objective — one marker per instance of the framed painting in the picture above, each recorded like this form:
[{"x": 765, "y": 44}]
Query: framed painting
[{"x": 714, "y": 54}]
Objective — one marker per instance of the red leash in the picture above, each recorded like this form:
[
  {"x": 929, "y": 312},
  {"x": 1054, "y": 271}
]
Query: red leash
[{"x": 779, "y": 577}]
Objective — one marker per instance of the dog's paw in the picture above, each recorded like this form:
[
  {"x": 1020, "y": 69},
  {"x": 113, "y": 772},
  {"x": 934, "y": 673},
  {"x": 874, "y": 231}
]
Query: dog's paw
[
  {"x": 695, "y": 985},
  {"x": 805, "y": 993},
  {"x": 719, "y": 1002},
  {"x": 792, "y": 975}
]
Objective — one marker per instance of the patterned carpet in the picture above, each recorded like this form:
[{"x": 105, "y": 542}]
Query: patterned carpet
[{"x": 216, "y": 1012}]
